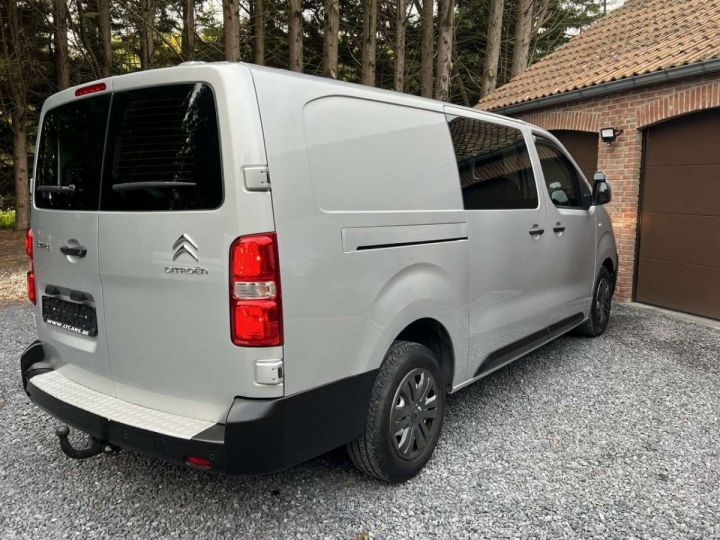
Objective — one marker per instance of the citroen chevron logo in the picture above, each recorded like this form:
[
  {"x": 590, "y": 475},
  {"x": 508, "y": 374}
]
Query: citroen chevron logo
[{"x": 185, "y": 245}]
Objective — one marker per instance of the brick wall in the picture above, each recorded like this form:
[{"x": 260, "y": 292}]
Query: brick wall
[{"x": 630, "y": 111}]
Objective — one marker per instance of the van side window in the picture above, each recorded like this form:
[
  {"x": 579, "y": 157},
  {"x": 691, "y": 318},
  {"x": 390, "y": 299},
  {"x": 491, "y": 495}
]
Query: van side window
[
  {"x": 561, "y": 177},
  {"x": 494, "y": 165}
]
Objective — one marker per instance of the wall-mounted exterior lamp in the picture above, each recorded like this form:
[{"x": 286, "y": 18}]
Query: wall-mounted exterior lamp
[{"x": 608, "y": 135}]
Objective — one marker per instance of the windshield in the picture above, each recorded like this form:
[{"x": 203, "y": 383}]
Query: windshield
[{"x": 150, "y": 149}]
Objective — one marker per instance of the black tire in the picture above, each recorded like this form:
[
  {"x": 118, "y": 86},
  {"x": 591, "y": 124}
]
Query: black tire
[
  {"x": 596, "y": 324},
  {"x": 397, "y": 456}
]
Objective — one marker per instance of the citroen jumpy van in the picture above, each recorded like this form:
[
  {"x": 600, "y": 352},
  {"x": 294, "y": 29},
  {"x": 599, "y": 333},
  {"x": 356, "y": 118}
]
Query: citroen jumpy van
[{"x": 239, "y": 268}]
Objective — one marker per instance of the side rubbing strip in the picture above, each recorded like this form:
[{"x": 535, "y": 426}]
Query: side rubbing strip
[
  {"x": 364, "y": 238},
  {"x": 401, "y": 244},
  {"x": 565, "y": 325},
  {"x": 520, "y": 347},
  {"x": 513, "y": 350}
]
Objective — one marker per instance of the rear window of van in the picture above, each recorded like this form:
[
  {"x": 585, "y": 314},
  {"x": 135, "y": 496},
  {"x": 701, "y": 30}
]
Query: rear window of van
[
  {"x": 150, "y": 149},
  {"x": 70, "y": 155}
]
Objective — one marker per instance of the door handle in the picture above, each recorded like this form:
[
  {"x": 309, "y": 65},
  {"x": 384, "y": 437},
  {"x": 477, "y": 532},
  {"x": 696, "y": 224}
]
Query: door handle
[
  {"x": 558, "y": 228},
  {"x": 536, "y": 231},
  {"x": 75, "y": 251}
]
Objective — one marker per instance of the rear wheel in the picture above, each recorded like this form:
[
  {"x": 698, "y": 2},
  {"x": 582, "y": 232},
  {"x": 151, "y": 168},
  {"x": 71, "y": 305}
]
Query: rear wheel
[
  {"x": 405, "y": 415},
  {"x": 601, "y": 304}
]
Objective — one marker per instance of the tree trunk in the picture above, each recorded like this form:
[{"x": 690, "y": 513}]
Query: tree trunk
[
  {"x": 86, "y": 42},
  {"x": 400, "y": 20},
  {"x": 12, "y": 48},
  {"x": 103, "y": 7},
  {"x": 295, "y": 36},
  {"x": 369, "y": 42},
  {"x": 20, "y": 159},
  {"x": 231, "y": 27},
  {"x": 523, "y": 34},
  {"x": 426, "y": 49},
  {"x": 259, "y": 21},
  {"x": 187, "y": 50},
  {"x": 457, "y": 75},
  {"x": 332, "y": 28},
  {"x": 61, "y": 45},
  {"x": 147, "y": 43},
  {"x": 444, "y": 56},
  {"x": 492, "y": 49}
]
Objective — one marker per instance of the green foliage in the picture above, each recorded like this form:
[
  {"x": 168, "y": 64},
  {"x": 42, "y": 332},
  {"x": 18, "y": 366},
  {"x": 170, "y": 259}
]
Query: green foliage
[
  {"x": 7, "y": 219},
  {"x": 561, "y": 19}
]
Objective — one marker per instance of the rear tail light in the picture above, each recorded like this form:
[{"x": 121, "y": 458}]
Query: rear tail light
[
  {"x": 255, "y": 298},
  {"x": 32, "y": 295},
  {"x": 31, "y": 290},
  {"x": 29, "y": 243}
]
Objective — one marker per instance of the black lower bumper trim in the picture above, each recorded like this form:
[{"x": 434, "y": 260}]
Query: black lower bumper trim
[
  {"x": 259, "y": 435},
  {"x": 276, "y": 434}
]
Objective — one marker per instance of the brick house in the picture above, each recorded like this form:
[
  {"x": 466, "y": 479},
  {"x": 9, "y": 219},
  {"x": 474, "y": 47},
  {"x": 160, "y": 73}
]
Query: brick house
[{"x": 650, "y": 69}]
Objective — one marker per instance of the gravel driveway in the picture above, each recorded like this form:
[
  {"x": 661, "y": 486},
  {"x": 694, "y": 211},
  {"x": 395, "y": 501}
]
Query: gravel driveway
[{"x": 613, "y": 437}]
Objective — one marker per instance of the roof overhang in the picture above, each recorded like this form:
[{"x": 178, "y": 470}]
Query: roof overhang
[{"x": 630, "y": 83}]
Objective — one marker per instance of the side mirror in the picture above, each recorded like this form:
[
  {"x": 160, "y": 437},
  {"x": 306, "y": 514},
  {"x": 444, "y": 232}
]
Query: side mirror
[{"x": 602, "y": 194}]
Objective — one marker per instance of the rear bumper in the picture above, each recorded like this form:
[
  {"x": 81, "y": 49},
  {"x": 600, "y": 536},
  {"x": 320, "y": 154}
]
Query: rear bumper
[{"x": 258, "y": 436}]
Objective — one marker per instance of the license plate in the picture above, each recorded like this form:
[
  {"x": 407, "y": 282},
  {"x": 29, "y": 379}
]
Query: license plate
[{"x": 72, "y": 316}]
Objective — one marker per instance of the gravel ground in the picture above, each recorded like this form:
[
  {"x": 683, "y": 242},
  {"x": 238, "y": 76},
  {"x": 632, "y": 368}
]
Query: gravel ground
[
  {"x": 13, "y": 266},
  {"x": 613, "y": 437}
]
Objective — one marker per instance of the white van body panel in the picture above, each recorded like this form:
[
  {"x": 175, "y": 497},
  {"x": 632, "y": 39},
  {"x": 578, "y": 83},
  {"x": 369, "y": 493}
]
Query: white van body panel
[
  {"x": 508, "y": 294},
  {"x": 342, "y": 309},
  {"x": 163, "y": 340},
  {"x": 178, "y": 357},
  {"x": 373, "y": 237},
  {"x": 52, "y": 228},
  {"x": 572, "y": 252}
]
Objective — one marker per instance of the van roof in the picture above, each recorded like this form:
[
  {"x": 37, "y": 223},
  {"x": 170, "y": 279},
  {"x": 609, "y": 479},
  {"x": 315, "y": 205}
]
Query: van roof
[
  {"x": 383, "y": 94},
  {"x": 379, "y": 93}
]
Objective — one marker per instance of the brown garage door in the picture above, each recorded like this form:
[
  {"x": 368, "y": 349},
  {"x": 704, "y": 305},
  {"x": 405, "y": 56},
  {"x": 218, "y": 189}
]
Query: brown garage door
[
  {"x": 679, "y": 258},
  {"x": 583, "y": 147}
]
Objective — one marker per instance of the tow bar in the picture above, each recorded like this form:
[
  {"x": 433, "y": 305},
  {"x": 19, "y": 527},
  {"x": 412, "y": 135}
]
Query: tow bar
[{"x": 95, "y": 446}]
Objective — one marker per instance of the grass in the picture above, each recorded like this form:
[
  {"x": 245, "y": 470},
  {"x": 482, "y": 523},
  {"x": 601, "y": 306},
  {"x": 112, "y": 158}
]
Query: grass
[{"x": 7, "y": 219}]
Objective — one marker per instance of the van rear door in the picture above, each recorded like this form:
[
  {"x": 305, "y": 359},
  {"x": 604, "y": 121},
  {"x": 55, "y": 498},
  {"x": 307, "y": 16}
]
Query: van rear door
[
  {"x": 172, "y": 203},
  {"x": 70, "y": 314}
]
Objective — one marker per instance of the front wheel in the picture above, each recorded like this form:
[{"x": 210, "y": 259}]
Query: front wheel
[
  {"x": 405, "y": 415},
  {"x": 601, "y": 303}
]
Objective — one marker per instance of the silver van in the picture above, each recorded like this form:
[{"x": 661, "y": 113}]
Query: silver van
[{"x": 240, "y": 268}]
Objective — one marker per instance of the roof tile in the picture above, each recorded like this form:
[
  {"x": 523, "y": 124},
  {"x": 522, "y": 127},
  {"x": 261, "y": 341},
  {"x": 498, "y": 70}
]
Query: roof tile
[{"x": 641, "y": 37}]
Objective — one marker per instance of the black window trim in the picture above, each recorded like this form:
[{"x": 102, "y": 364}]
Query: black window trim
[
  {"x": 579, "y": 176},
  {"x": 112, "y": 92},
  {"x": 451, "y": 116}
]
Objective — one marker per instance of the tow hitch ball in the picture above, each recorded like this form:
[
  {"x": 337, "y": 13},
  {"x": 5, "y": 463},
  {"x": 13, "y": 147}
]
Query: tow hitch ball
[{"x": 94, "y": 447}]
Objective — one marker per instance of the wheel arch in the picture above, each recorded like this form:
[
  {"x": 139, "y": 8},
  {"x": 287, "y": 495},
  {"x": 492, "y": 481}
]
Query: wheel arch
[
  {"x": 427, "y": 304},
  {"x": 607, "y": 255},
  {"x": 433, "y": 334},
  {"x": 609, "y": 265}
]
